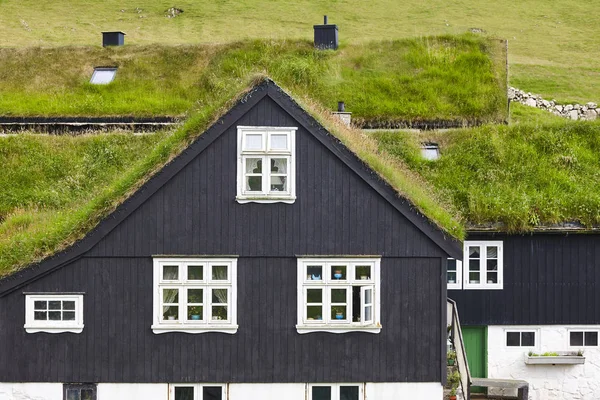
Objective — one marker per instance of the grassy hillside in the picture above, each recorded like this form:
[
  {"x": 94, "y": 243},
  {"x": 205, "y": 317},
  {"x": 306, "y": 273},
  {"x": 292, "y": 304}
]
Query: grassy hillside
[
  {"x": 554, "y": 46},
  {"x": 448, "y": 77},
  {"x": 523, "y": 176}
]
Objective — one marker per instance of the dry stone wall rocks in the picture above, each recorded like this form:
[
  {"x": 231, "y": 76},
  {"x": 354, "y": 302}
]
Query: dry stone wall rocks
[{"x": 588, "y": 112}]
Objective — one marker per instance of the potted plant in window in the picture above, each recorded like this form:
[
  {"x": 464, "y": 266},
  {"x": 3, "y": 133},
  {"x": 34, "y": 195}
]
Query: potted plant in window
[
  {"x": 195, "y": 313},
  {"x": 337, "y": 274}
]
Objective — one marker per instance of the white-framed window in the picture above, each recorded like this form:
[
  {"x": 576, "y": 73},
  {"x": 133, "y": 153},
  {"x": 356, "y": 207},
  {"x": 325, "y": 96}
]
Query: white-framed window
[
  {"x": 195, "y": 295},
  {"x": 336, "y": 391},
  {"x": 53, "y": 312},
  {"x": 266, "y": 164},
  {"x": 454, "y": 273},
  {"x": 338, "y": 295},
  {"x": 483, "y": 265},
  {"x": 583, "y": 338},
  {"x": 79, "y": 391},
  {"x": 192, "y": 391},
  {"x": 521, "y": 338}
]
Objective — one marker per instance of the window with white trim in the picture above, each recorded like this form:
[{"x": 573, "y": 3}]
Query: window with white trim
[
  {"x": 521, "y": 338},
  {"x": 266, "y": 164},
  {"x": 338, "y": 295},
  {"x": 454, "y": 273},
  {"x": 79, "y": 391},
  {"x": 335, "y": 391},
  {"x": 197, "y": 392},
  {"x": 583, "y": 338},
  {"x": 483, "y": 264},
  {"x": 53, "y": 312},
  {"x": 195, "y": 295}
]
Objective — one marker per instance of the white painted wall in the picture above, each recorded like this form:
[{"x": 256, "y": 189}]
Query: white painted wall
[
  {"x": 145, "y": 391},
  {"x": 546, "y": 382},
  {"x": 404, "y": 390},
  {"x": 31, "y": 391},
  {"x": 267, "y": 391}
]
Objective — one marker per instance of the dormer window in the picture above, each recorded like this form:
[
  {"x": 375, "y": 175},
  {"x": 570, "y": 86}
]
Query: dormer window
[{"x": 266, "y": 165}]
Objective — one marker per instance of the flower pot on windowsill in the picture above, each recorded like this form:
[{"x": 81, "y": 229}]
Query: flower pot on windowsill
[
  {"x": 337, "y": 274},
  {"x": 339, "y": 315},
  {"x": 364, "y": 277},
  {"x": 491, "y": 281},
  {"x": 474, "y": 282},
  {"x": 171, "y": 318},
  {"x": 451, "y": 281},
  {"x": 195, "y": 318}
]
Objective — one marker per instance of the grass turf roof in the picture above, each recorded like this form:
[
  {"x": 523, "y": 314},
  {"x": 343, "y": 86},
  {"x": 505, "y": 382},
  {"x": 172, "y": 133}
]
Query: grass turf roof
[
  {"x": 458, "y": 78},
  {"x": 513, "y": 178},
  {"x": 61, "y": 197}
]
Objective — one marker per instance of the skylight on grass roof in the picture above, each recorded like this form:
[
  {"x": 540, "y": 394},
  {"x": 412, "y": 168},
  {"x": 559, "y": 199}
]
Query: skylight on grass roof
[
  {"x": 430, "y": 151},
  {"x": 103, "y": 75}
]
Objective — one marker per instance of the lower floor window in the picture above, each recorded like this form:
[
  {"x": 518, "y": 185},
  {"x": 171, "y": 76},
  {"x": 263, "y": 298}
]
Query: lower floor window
[
  {"x": 583, "y": 338},
  {"x": 79, "y": 391},
  {"x": 340, "y": 391},
  {"x": 520, "y": 339},
  {"x": 197, "y": 392}
]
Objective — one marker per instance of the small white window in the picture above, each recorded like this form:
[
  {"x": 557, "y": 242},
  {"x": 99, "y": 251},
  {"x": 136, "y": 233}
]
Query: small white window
[
  {"x": 103, "y": 76},
  {"x": 205, "y": 391},
  {"x": 525, "y": 338},
  {"x": 266, "y": 165},
  {"x": 195, "y": 295},
  {"x": 583, "y": 338},
  {"x": 454, "y": 273},
  {"x": 53, "y": 313},
  {"x": 483, "y": 264},
  {"x": 338, "y": 295},
  {"x": 430, "y": 151},
  {"x": 335, "y": 391}
]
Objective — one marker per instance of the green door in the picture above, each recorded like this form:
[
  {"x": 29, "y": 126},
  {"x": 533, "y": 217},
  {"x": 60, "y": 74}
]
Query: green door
[{"x": 475, "y": 338}]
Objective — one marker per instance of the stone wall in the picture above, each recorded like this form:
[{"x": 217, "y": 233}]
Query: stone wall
[{"x": 587, "y": 112}]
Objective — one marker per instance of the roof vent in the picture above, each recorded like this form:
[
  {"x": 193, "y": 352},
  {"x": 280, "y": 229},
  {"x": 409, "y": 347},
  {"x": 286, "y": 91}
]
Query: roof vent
[
  {"x": 430, "y": 151},
  {"x": 345, "y": 117},
  {"x": 103, "y": 75},
  {"x": 113, "y": 38},
  {"x": 326, "y": 35}
]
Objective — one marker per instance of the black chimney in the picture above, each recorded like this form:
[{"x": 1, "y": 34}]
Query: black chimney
[
  {"x": 326, "y": 35},
  {"x": 113, "y": 38},
  {"x": 341, "y": 106}
]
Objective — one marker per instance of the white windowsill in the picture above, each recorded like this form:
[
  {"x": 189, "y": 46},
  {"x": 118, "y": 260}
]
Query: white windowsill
[
  {"x": 265, "y": 199},
  {"x": 230, "y": 329},
  {"x": 338, "y": 329},
  {"x": 53, "y": 329}
]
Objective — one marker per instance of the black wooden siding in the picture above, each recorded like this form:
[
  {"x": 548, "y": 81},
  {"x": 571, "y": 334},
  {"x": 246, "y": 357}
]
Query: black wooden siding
[
  {"x": 335, "y": 213},
  {"x": 548, "y": 279}
]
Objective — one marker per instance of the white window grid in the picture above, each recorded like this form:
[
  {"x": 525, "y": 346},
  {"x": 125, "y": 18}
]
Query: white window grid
[
  {"x": 536, "y": 338},
  {"x": 198, "y": 394},
  {"x": 33, "y": 325},
  {"x": 369, "y": 295},
  {"x": 454, "y": 278},
  {"x": 583, "y": 331},
  {"x": 335, "y": 389},
  {"x": 208, "y": 284},
  {"x": 266, "y": 153},
  {"x": 483, "y": 283}
]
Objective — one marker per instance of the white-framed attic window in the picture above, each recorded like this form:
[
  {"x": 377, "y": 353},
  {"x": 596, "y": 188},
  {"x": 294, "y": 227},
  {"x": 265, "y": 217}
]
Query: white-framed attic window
[
  {"x": 483, "y": 265},
  {"x": 339, "y": 295},
  {"x": 53, "y": 312},
  {"x": 430, "y": 151},
  {"x": 195, "y": 295},
  {"x": 266, "y": 164},
  {"x": 454, "y": 270},
  {"x": 103, "y": 75}
]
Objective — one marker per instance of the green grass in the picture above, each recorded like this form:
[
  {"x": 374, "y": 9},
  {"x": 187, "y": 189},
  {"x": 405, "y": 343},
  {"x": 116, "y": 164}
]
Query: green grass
[
  {"x": 553, "y": 45},
  {"x": 448, "y": 77},
  {"x": 522, "y": 176}
]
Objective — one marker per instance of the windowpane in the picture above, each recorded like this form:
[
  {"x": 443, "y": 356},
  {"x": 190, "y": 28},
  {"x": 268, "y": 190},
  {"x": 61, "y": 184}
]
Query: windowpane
[
  {"x": 451, "y": 266},
  {"x": 348, "y": 392},
  {"x": 219, "y": 272},
  {"x": 591, "y": 338},
  {"x": 314, "y": 272},
  {"x": 492, "y": 277},
  {"x": 513, "y": 339},
  {"x": 219, "y": 313},
  {"x": 69, "y": 315},
  {"x": 54, "y": 316},
  {"x": 369, "y": 296},
  {"x": 576, "y": 339},
  {"x": 170, "y": 272},
  {"x": 314, "y": 295},
  {"x": 528, "y": 339},
  {"x": 338, "y": 295},
  {"x": 253, "y": 141},
  {"x": 338, "y": 272},
  {"x": 279, "y": 166},
  {"x": 279, "y": 141},
  {"x": 368, "y": 313},
  {"x": 87, "y": 394},
  {"x": 195, "y": 313},
  {"x": 321, "y": 393},
  {"x": 171, "y": 313},
  {"x": 219, "y": 296},
  {"x": 473, "y": 265},
  {"x": 278, "y": 184},
  {"x": 184, "y": 393},
  {"x": 195, "y": 296},
  {"x": 170, "y": 296},
  {"x": 72, "y": 394},
  {"x": 68, "y": 305},
  {"x": 195, "y": 272},
  {"x": 492, "y": 252},
  {"x": 55, "y": 305},
  {"x": 363, "y": 272},
  {"x": 254, "y": 165},
  {"x": 40, "y": 305},
  {"x": 474, "y": 277},
  {"x": 314, "y": 312},
  {"x": 338, "y": 312},
  {"x": 212, "y": 393},
  {"x": 451, "y": 277},
  {"x": 40, "y": 316},
  {"x": 473, "y": 251}
]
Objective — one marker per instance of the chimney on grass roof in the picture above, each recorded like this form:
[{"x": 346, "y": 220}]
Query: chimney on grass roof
[
  {"x": 113, "y": 38},
  {"x": 342, "y": 115},
  {"x": 326, "y": 36}
]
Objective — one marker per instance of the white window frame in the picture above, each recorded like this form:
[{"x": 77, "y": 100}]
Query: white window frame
[
  {"x": 35, "y": 326},
  {"x": 459, "y": 272},
  {"x": 536, "y": 339},
  {"x": 483, "y": 284},
  {"x": 304, "y": 325},
  {"x": 266, "y": 154},
  {"x": 197, "y": 389},
  {"x": 207, "y": 324},
  {"x": 583, "y": 330},
  {"x": 335, "y": 389}
]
